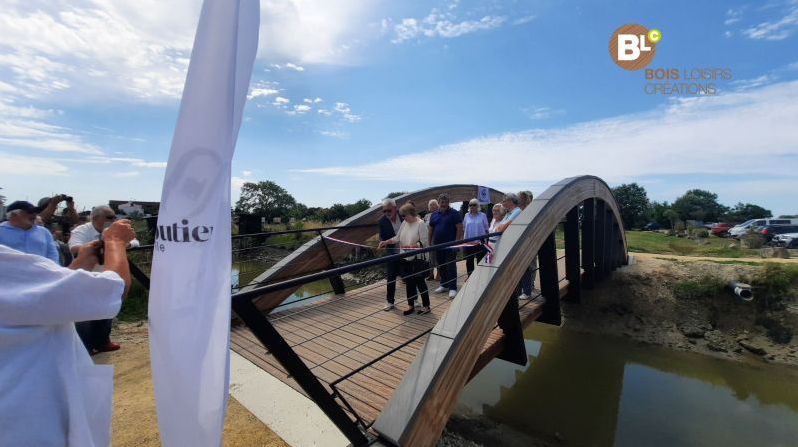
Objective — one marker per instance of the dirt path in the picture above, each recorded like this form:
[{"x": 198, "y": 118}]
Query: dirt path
[{"x": 134, "y": 423}]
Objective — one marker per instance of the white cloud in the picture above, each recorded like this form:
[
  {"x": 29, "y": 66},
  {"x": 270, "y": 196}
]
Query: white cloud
[
  {"x": 334, "y": 133},
  {"x": 136, "y": 162},
  {"x": 733, "y": 16},
  {"x": 742, "y": 84},
  {"x": 294, "y": 67},
  {"x": 444, "y": 24},
  {"x": 259, "y": 91},
  {"x": 24, "y": 165},
  {"x": 136, "y": 49},
  {"x": 324, "y": 112},
  {"x": 301, "y": 108},
  {"x": 524, "y": 20},
  {"x": 315, "y": 31},
  {"x": 779, "y": 29},
  {"x": 280, "y": 101},
  {"x": 346, "y": 113},
  {"x": 126, "y": 174},
  {"x": 541, "y": 113},
  {"x": 246, "y": 173},
  {"x": 746, "y": 132},
  {"x": 37, "y": 134},
  {"x": 317, "y": 100}
]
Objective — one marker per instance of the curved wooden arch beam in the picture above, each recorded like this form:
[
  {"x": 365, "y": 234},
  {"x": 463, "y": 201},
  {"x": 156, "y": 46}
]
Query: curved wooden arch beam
[
  {"x": 313, "y": 257},
  {"x": 419, "y": 408}
]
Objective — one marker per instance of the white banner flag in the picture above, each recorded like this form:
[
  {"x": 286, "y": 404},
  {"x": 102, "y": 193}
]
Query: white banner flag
[{"x": 189, "y": 305}]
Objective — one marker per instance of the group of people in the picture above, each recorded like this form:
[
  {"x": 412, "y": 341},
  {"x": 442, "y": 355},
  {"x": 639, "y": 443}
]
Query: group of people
[
  {"x": 39, "y": 230},
  {"x": 402, "y": 230},
  {"x": 51, "y": 393}
]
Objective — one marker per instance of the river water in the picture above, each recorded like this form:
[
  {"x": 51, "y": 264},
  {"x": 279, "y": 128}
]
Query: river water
[
  {"x": 606, "y": 391},
  {"x": 246, "y": 271}
]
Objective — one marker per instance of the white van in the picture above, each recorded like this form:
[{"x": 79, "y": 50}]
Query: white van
[{"x": 739, "y": 230}]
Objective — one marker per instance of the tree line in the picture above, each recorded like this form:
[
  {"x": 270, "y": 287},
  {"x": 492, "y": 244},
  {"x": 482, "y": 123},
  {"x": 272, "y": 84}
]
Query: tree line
[
  {"x": 270, "y": 200},
  {"x": 696, "y": 204}
]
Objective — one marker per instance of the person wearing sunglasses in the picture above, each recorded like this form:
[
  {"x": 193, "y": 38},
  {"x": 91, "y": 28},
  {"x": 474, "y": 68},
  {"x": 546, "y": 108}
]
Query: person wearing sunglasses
[
  {"x": 96, "y": 335},
  {"x": 389, "y": 224}
]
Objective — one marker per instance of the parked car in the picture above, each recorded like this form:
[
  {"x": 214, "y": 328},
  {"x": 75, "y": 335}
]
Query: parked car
[
  {"x": 651, "y": 226},
  {"x": 788, "y": 240},
  {"x": 720, "y": 229},
  {"x": 753, "y": 224},
  {"x": 772, "y": 230}
]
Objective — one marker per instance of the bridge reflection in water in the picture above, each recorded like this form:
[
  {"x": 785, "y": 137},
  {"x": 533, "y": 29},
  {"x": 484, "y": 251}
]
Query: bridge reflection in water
[{"x": 606, "y": 391}]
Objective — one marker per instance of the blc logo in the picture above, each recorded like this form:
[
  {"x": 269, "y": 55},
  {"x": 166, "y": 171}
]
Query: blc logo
[{"x": 632, "y": 46}]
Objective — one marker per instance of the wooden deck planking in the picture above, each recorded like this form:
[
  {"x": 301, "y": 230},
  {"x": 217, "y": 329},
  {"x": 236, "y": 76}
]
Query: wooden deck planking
[{"x": 339, "y": 334}]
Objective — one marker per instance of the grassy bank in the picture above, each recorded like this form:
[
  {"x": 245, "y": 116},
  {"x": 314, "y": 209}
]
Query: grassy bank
[{"x": 660, "y": 243}]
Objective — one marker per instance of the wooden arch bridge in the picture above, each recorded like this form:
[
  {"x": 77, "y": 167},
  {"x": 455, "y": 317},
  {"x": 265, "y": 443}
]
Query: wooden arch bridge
[{"x": 388, "y": 379}]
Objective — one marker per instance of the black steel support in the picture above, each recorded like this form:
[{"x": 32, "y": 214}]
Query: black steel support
[
  {"x": 607, "y": 244},
  {"x": 297, "y": 369},
  {"x": 549, "y": 282},
  {"x": 614, "y": 241},
  {"x": 588, "y": 243},
  {"x": 601, "y": 238},
  {"x": 138, "y": 274},
  {"x": 335, "y": 281},
  {"x": 510, "y": 322},
  {"x": 573, "y": 271}
]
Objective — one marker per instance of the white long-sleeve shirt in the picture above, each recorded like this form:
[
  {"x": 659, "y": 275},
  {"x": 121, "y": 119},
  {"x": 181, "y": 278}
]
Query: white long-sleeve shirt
[{"x": 51, "y": 393}]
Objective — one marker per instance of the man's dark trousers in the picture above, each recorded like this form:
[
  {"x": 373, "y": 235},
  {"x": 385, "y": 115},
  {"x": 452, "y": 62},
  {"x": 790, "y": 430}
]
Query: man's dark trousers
[{"x": 447, "y": 268}]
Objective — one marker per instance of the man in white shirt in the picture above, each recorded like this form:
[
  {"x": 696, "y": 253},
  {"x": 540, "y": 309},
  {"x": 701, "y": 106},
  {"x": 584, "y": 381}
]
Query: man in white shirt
[
  {"x": 51, "y": 394},
  {"x": 96, "y": 334}
]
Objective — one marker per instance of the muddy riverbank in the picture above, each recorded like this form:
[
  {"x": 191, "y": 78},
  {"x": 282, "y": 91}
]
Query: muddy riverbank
[{"x": 684, "y": 305}]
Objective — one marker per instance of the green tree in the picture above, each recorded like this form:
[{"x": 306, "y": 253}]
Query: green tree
[
  {"x": 745, "y": 211},
  {"x": 267, "y": 199},
  {"x": 632, "y": 203},
  {"x": 672, "y": 217},
  {"x": 656, "y": 212},
  {"x": 357, "y": 207},
  {"x": 698, "y": 204},
  {"x": 391, "y": 195}
]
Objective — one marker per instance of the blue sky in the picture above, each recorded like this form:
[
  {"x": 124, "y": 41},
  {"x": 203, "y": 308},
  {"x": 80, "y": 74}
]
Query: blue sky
[{"x": 356, "y": 98}]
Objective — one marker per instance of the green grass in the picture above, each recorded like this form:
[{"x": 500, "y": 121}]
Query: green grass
[
  {"x": 660, "y": 243},
  {"x": 692, "y": 289},
  {"x": 134, "y": 306}
]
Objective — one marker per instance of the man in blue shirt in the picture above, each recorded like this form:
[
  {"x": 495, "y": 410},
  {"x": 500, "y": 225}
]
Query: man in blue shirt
[
  {"x": 447, "y": 226},
  {"x": 21, "y": 233}
]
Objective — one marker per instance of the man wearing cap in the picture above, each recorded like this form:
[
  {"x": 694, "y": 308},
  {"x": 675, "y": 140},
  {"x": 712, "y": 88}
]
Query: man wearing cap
[
  {"x": 50, "y": 391},
  {"x": 96, "y": 334},
  {"x": 21, "y": 233}
]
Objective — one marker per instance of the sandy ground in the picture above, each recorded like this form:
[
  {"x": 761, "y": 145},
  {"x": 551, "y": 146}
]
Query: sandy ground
[{"x": 134, "y": 422}]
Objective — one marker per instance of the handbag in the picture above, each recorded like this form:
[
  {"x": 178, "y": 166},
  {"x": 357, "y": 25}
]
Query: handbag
[{"x": 420, "y": 261}]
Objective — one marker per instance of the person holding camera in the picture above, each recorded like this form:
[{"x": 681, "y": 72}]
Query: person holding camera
[
  {"x": 51, "y": 393},
  {"x": 96, "y": 334},
  {"x": 21, "y": 232},
  {"x": 49, "y": 205}
]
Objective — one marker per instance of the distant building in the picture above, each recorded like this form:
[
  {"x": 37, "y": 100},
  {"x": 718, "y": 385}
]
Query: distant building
[{"x": 133, "y": 207}]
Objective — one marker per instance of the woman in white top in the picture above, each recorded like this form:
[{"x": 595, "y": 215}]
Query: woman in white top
[
  {"x": 498, "y": 215},
  {"x": 412, "y": 234}
]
